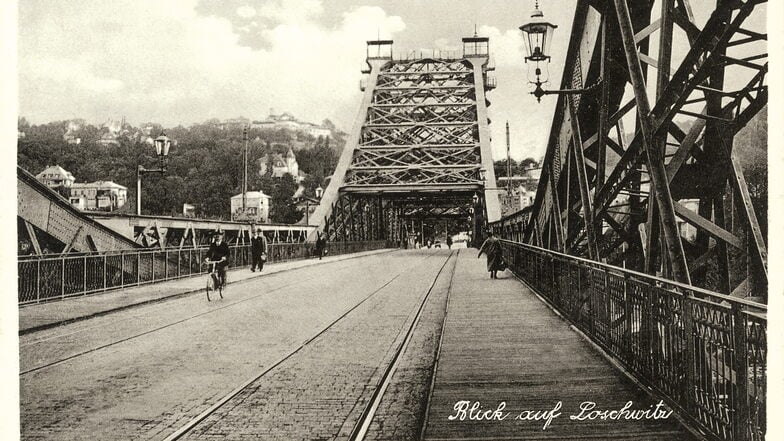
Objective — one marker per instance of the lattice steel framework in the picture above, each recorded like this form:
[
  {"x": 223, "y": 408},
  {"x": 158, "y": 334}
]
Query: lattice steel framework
[
  {"x": 419, "y": 149},
  {"x": 627, "y": 199}
]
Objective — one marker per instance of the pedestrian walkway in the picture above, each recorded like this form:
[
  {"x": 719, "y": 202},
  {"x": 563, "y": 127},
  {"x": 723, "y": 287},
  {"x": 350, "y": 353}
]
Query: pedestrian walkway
[
  {"x": 502, "y": 344},
  {"x": 46, "y": 315}
]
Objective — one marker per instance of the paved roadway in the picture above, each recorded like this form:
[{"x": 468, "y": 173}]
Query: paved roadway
[
  {"x": 141, "y": 373},
  {"x": 305, "y": 349}
]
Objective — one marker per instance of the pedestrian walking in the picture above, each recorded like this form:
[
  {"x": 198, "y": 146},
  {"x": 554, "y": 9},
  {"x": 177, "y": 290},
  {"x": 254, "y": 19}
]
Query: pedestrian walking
[
  {"x": 258, "y": 248},
  {"x": 492, "y": 249},
  {"x": 449, "y": 241},
  {"x": 321, "y": 244}
]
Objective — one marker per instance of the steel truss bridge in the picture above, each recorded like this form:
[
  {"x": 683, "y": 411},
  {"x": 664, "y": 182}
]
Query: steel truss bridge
[
  {"x": 419, "y": 150},
  {"x": 45, "y": 217},
  {"x": 624, "y": 199},
  {"x": 644, "y": 155},
  {"x": 606, "y": 241}
]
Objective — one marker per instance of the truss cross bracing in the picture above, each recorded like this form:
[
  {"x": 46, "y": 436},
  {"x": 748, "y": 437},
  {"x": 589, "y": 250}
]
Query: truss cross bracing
[
  {"x": 420, "y": 149},
  {"x": 655, "y": 151}
]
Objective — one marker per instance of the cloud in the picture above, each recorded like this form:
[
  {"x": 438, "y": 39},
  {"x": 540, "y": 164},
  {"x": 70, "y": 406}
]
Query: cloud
[
  {"x": 246, "y": 11},
  {"x": 506, "y": 47},
  {"x": 149, "y": 60}
]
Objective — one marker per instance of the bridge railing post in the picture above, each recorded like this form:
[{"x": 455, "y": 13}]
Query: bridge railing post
[
  {"x": 740, "y": 396},
  {"x": 138, "y": 268},
  {"x": 688, "y": 335},
  {"x": 62, "y": 278},
  {"x": 84, "y": 274},
  {"x": 38, "y": 282}
]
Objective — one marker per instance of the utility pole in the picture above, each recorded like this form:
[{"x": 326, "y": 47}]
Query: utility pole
[
  {"x": 245, "y": 171},
  {"x": 508, "y": 165}
]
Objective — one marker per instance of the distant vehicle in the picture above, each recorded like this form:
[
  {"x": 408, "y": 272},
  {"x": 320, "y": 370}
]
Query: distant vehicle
[{"x": 437, "y": 244}]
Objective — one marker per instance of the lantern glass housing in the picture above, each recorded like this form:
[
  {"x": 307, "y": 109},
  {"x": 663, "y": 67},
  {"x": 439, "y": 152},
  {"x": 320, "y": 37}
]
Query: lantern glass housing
[
  {"x": 162, "y": 144},
  {"x": 538, "y": 35}
]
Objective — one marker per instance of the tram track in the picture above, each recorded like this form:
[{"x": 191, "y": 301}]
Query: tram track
[
  {"x": 361, "y": 427},
  {"x": 167, "y": 325},
  {"x": 369, "y": 410}
]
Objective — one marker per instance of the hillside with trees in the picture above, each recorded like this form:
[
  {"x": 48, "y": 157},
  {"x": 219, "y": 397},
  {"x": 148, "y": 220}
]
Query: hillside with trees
[{"x": 204, "y": 166}]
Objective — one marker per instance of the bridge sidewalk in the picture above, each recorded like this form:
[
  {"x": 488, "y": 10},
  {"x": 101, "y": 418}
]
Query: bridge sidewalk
[
  {"x": 501, "y": 343},
  {"x": 35, "y": 317}
]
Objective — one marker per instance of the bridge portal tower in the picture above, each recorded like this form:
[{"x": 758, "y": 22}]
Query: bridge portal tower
[{"x": 419, "y": 149}]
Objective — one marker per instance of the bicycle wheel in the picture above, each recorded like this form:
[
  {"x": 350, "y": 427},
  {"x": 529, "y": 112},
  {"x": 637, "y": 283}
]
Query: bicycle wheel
[{"x": 210, "y": 286}]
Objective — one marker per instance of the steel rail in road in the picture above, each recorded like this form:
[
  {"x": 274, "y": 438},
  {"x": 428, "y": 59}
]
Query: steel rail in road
[
  {"x": 362, "y": 425},
  {"x": 167, "y": 325},
  {"x": 187, "y": 427}
]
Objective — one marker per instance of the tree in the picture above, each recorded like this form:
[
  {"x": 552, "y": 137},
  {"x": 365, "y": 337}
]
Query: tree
[
  {"x": 500, "y": 169},
  {"x": 528, "y": 163},
  {"x": 284, "y": 210},
  {"x": 204, "y": 168}
]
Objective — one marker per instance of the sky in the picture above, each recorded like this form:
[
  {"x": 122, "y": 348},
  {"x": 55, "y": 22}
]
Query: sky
[
  {"x": 186, "y": 61},
  {"x": 179, "y": 62}
]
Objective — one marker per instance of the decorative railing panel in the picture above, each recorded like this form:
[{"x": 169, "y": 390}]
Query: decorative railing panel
[
  {"x": 704, "y": 352},
  {"x": 50, "y": 278}
]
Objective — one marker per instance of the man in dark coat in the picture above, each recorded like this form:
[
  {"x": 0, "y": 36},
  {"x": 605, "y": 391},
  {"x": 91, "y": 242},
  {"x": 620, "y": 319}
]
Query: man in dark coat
[
  {"x": 492, "y": 249},
  {"x": 258, "y": 248},
  {"x": 219, "y": 251},
  {"x": 321, "y": 244}
]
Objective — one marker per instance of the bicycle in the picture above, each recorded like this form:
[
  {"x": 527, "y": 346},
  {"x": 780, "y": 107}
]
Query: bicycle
[{"x": 214, "y": 280}]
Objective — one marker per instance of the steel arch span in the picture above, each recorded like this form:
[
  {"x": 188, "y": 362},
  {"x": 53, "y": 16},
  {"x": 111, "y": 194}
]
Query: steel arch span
[{"x": 419, "y": 153}]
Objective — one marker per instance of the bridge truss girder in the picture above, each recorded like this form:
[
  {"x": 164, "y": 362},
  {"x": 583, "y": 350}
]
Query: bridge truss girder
[
  {"x": 417, "y": 150},
  {"x": 607, "y": 197}
]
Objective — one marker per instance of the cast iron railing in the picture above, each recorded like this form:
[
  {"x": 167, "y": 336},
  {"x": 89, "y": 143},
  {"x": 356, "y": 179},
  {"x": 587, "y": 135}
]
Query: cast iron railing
[
  {"x": 704, "y": 352},
  {"x": 49, "y": 278}
]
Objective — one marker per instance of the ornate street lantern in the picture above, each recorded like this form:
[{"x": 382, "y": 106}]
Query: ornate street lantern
[
  {"x": 539, "y": 35},
  {"x": 162, "y": 144}
]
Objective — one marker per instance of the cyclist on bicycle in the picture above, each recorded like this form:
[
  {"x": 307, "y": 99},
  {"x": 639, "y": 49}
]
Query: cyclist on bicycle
[{"x": 219, "y": 251}]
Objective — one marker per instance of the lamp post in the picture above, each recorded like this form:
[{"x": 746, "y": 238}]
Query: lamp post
[
  {"x": 162, "y": 144},
  {"x": 538, "y": 35}
]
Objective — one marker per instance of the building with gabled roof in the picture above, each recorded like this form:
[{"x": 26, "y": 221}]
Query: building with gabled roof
[{"x": 54, "y": 176}]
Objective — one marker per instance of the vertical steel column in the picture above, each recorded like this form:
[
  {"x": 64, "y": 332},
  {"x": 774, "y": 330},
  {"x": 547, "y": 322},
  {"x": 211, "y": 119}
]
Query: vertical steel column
[
  {"x": 662, "y": 80},
  {"x": 658, "y": 174},
  {"x": 601, "y": 138},
  {"x": 577, "y": 149},
  {"x": 568, "y": 197},
  {"x": 556, "y": 213}
]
